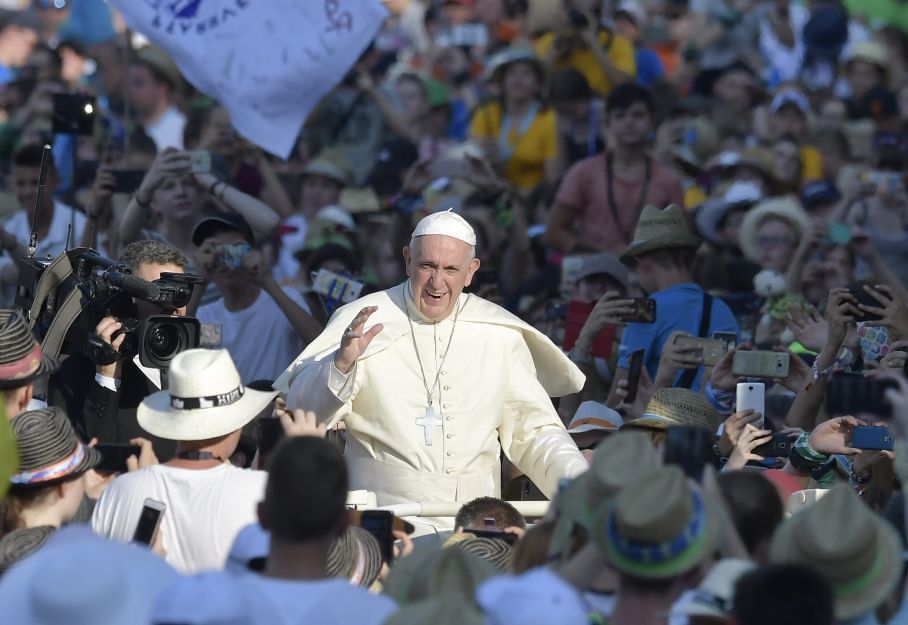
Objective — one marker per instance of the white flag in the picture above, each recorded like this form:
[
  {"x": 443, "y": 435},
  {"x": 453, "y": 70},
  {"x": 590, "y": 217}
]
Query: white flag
[{"x": 268, "y": 62}]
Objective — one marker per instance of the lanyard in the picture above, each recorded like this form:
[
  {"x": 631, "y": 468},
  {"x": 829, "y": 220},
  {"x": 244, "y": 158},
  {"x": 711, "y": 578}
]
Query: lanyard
[
  {"x": 504, "y": 146},
  {"x": 613, "y": 206},
  {"x": 591, "y": 131}
]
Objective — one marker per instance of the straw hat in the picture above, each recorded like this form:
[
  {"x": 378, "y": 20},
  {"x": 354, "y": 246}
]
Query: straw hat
[
  {"x": 660, "y": 526},
  {"x": 328, "y": 166},
  {"x": 156, "y": 58},
  {"x": 21, "y": 359},
  {"x": 428, "y": 573},
  {"x": 870, "y": 52},
  {"x": 713, "y": 597},
  {"x": 205, "y": 399},
  {"x": 659, "y": 230},
  {"x": 787, "y": 208},
  {"x": 857, "y": 551},
  {"x": 701, "y": 138},
  {"x": 493, "y": 550},
  {"x": 676, "y": 406},
  {"x": 21, "y": 543},
  {"x": 49, "y": 451},
  {"x": 617, "y": 460}
]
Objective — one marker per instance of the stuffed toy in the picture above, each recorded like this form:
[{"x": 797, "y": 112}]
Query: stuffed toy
[{"x": 772, "y": 286}]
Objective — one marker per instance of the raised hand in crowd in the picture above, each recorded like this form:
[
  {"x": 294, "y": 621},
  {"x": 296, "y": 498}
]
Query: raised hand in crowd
[
  {"x": 105, "y": 331},
  {"x": 170, "y": 162},
  {"x": 146, "y": 457},
  {"x": 750, "y": 439},
  {"x": 734, "y": 427},
  {"x": 675, "y": 357},
  {"x": 841, "y": 311},
  {"x": 721, "y": 376},
  {"x": 300, "y": 422},
  {"x": 808, "y": 326},
  {"x": 833, "y": 436},
  {"x": 645, "y": 391},
  {"x": 892, "y": 310},
  {"x": 897, "y": 356},
  {"x": 799, "y": 374},
  {"x": 609, "y": 310},
  {"x": 102, "y": 192},
  {"x": 256, "y": 268}
]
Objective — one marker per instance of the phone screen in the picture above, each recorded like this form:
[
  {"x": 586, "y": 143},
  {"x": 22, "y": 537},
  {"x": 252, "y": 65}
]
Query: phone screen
[
  {"x": 634, "y": 369},
  {"x": 113, "y": 457},
  {"x": 149, "y": 519},
  {"x": 379, "y": 523}
]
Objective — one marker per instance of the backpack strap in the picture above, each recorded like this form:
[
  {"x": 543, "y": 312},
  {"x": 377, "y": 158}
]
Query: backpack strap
[{"x": 687, "y": 378}]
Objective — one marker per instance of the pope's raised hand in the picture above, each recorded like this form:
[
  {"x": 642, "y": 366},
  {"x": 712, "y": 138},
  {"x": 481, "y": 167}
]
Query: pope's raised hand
[{"x": 355, "y": 340}]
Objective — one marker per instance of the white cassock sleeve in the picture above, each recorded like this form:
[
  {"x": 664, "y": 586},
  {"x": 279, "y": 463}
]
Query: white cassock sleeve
[
  {"x": 324, "y": 390},
  {"x": 531, "y": 433}
]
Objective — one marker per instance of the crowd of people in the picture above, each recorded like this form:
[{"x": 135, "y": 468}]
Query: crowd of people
[{"x": 560, "y": 311}]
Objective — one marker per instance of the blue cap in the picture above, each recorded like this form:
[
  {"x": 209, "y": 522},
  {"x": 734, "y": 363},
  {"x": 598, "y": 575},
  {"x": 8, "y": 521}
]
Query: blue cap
[{"x": 819, "y": 193}]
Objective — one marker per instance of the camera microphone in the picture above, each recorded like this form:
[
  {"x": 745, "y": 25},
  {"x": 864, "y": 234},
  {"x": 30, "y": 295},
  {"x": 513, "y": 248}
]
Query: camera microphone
[{"x": 137, "y": 287}]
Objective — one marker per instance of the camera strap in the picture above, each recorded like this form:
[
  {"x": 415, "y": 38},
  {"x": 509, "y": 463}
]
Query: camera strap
[
  {"x": 63, "y": 321},
  {"x": 55, "y": 274},
  {"x": 687, "y": 378}
]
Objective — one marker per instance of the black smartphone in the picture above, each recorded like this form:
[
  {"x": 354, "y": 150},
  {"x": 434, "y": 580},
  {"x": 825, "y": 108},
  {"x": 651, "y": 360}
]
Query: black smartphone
[
  {"x": 379, "y": 523},
  {"x": 73, "y": 114},
  {"x": 853, "y": 394},
  {"x": 872, "y": 437},
  {"x": 127, "y": 180},
  {"x": 149, "y": 521},
  {"x": 270, "y": 433},
  {"x": 507, "y": 537},
  {"x": 85, "y": 173},
  {"x": 114, "y": 455},
  {"x": 634, "y": 368},
  {"x": 865, "y": 298},
  {"x": 644, "y": 311},
  {"x": 778, "y": 447},
  {"x": 689, "y": 447}
]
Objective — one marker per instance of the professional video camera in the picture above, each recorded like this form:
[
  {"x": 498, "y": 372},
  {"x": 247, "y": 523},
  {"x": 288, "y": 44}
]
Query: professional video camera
[{"x": 64, "y": 300}]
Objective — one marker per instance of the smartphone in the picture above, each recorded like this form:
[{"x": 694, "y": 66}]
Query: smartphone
[
  {"x": 863, "y": 297},
  {"x": 644, "y": 311},
  {"x": 334, "y": 286},
  {"x": 114, "y": 455},
  {"x": 778, "y": 447},
  {"x": 507, "y": 537},
  {"x": 713, "y": 349},
  {"x": 839, "y": 233},
  {"x": 73, "y": 114},
  {"x": 270, "y": 434},
  {"x": 149, "y": 522},
  {"x": 872, "y": 437},
  {"x": 127, "y": 180},
  {"x": 853, "y": 394},
  {"x": 577, "y": 314},
  {"x": 379, "y": 523},
  {"x": 730, "y": 338},
  {"x": 634, "y": 368},
  {"x": 232, "y": 254},
  {"x": 689, "y": 447},
  {"x": 761, "y": 364},
  {"x": 199, "y": 161},
  {"x": 752, "y": 396}
]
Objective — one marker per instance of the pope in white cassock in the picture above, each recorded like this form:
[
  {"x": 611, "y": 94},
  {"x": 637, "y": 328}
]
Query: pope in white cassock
[{"x": 438, "y": 383}]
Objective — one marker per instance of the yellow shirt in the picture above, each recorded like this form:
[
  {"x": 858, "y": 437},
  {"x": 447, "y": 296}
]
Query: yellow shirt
[
  {"x": 811, "y": 164},
  {"x": 529, "y": 151},
  {"x": 620, "y": 52}
]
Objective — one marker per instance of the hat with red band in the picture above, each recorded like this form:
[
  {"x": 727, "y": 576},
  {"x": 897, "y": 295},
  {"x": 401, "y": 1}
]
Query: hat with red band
[
  {"x": 21, "y": 358},
  {"x": 49, "y": 450}
]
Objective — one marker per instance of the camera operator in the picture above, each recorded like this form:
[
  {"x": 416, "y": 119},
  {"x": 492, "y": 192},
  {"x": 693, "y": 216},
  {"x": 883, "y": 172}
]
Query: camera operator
[{"x": 101, "y": 400}]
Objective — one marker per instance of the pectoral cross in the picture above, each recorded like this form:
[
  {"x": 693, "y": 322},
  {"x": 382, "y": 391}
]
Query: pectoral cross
[{"x": 429, "y": 422}]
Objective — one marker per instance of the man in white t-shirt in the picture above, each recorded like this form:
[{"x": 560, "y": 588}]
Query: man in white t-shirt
[
  {"x": 304, "y": 511},
  {"x": 55, "y": 220},
  {"x": 260, "y": 323},
  {"x": 207, "y": 500}
]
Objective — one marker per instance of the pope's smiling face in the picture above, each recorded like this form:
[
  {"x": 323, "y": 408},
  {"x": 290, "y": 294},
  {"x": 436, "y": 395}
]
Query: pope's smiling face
[{"x": 439, "y": 268}]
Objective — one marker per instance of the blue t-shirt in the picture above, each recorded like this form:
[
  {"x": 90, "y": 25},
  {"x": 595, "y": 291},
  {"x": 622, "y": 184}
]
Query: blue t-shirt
[{"x": 677, "y": 308}]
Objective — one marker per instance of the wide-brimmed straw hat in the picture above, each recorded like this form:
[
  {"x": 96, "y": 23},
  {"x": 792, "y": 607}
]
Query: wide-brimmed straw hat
[
  {"x": 660, "y": 230},
  {"x": 871, "y": 52},
  {"x": 21, "y": 543},
  {"x": 21, "y": 359},
  {"x": 330, "y": 166},
  {"x": 428, "y": 573},
  {"x": 49, "y": 450},
  {"x": 617, "y": 460},
  {"x": 676, "y": 406},
  {"x": 205, "y": 399},
  {"x": 786, "y": 208},
  {"x": 660, "y": 526},
  {"x": 857, "y": 551}
]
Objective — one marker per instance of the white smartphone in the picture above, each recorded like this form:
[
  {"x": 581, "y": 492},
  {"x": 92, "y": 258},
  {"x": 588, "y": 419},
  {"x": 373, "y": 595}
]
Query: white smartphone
[
  {"x": 751, "y": 396},
  {"x": 149, "y": 522}
]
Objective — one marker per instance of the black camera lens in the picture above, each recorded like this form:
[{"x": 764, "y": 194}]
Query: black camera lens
[
  {"x": 163, "y": 337},
  {"x": 164, "y": 341},
  {"x": 750, "y": 388}
]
